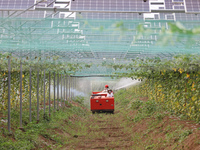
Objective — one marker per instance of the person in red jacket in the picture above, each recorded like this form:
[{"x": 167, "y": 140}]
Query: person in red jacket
[{"x": 106, "y": 89}]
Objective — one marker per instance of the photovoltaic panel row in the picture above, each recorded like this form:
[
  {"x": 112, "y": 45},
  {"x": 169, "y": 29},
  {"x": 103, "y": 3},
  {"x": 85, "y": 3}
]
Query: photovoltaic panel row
[
  {"x": 46, "y": 3},
  {"x": 187, "y": 17},
  {"x": 192, "y": 5},
  {"x": 179, "y": 16},
  {"x": 174, "y": 4},
  {"x": 29, "y": 14},
  {"x": 93, "y": 15},
  {"x": 19, "y": 14},
  {"x": 33, "y": 14},
  {"x": 16, "y": 4},
  {"x": 110, "y": 5},
  {"x": 168, "y": 4}
]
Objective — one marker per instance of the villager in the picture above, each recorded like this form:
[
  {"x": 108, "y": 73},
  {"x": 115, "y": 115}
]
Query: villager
[
  {"x": 106, "y": 89},
  {"x": 110, "y": 93}
]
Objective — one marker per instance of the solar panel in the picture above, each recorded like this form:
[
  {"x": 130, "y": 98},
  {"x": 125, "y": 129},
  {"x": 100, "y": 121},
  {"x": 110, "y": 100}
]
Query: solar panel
[
  {"x": 27, "y": 14},
  {"x": 176, "y": 5},
  {"x": 180, "y": 16},
  {"x": 178, "y": 1},
  {"x": 192, "y": 6},
  {"x": 16, "y": 4},
  {"x": 168, "y": 4},
  {"x": 93, "y": 15},
  {"x": 46, "y": 3},
  {"x": 187, "y": 17},
  {"x": 110, "y": 5},
  {"x": 32, "y": 14}
]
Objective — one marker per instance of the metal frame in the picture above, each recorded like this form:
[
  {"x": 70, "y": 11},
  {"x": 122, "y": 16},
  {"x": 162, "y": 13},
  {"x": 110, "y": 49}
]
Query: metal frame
[{"x": 49, "y": 37}]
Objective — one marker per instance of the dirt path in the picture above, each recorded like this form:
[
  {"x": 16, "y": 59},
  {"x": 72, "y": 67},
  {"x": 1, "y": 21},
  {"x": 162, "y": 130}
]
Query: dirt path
[
  {"x": 119, "y": 132},
  {"x": 104, "y": 131}
]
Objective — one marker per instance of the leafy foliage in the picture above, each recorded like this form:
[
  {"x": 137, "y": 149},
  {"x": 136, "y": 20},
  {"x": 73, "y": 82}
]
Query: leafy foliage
[
  {"x": 173, "y": 83},
  {"x": 37, "y": 66},
  {"x": 136, "y": 104},
  {"x": 33, "y": 134}
]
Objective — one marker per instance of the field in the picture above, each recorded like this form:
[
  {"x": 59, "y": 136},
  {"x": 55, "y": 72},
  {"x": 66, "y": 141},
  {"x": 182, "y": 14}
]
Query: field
[
  {"x": 138, "y": 123},
  {"x": 55, "y": 53}
]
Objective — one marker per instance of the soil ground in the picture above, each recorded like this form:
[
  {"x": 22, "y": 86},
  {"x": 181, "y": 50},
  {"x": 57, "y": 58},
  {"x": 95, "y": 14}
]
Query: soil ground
[
  {"x": 105, "y": 131},
  {"x": 118, "y": 132}
]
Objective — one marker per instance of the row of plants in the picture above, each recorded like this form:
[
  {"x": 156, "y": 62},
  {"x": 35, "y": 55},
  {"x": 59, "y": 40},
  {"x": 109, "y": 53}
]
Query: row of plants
[
  {"x": 50, "y": 133},
  {"x": 39, "y": 83},
  {"x": 158, "y": 133},
  {"x": 174, "y": 83}
]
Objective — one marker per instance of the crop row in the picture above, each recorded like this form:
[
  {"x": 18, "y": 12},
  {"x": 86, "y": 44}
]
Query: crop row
[
  {"x": 179, "y": 94},
  {"x": 174, "y": 83},
  {"x": 34, "y": 85}
]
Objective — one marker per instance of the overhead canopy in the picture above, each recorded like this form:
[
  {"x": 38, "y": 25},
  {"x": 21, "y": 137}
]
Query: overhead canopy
[
  {"x": 97, "y": 36},
  {"x": 94, "y": 39}
]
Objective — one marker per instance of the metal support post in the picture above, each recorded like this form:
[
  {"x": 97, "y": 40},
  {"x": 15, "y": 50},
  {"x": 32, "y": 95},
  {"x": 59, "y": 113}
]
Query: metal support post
[
  {"x": 72, "y": 93},
  {"x": 49, "y": 93},
  {"x": 9, "y": 78},
  {"x": 64, "y": 90},
  {"x": 20, "y": 94},
  {"x": 38, "y": 95},
  {"x": 75, "y": 86},
  {"x": 66, "y": 87},
  {"x": 69, "y": 88},
  {"x": 30, "y": 119},
  {"x": 54, "y": 90},
  {"x": 61, "y": 90},
  {"x": 57, "y": 91},
  {"x": 44, "y": 94},
  {"x": 72, "y": 83}
]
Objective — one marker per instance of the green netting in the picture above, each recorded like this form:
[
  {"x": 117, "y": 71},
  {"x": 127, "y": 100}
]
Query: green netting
[{"x": 94, "y": 42}]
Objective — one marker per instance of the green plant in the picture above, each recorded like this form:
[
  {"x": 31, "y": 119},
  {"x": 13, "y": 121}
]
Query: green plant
[
  {"x": 184, "y": 134},
  {"x": 79, "y": 99},
  {"x": 136, "y": 104},
  {"x": 159, "y": 116},
  {"x": 167, "y": 129},
  {"x": 150, "y": 146}
]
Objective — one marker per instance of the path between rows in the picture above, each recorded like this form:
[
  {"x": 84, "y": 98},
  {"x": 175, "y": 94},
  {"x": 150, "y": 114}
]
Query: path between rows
[
  {"x": 118, "y": 131},
  {"x": 104, "y": 131}
]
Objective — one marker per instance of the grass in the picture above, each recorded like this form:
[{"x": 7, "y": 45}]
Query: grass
[
  {"x": 46, "y": 134},
  {"x": 76, "y": 127},
  {"x": 155, "y": 114},
  {"x": 136, "y": 104}
]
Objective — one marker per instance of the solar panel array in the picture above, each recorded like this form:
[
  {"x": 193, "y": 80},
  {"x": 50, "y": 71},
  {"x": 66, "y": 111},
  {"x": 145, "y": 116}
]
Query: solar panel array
[
  {"x": 16, "y": 4},
  {"x": 168, "y": 4},
  {"x": 174, "y": 4},
  {"x": 32, "y": 14},
  {"x": 110, "y": 5},
  {"x": 187, "y": 17},
  {"x": 46, "y": 3},
  {"x": 101, "y": 38},
  {"x": 93, "y": 15},
  {"x": 192, "y": 6}
]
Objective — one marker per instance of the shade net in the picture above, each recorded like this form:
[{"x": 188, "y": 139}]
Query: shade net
[{"x": 94, "y": 42}]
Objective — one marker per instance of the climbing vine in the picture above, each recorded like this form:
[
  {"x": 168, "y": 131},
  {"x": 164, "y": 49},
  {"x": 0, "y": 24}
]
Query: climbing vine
[
  {"x": 175, "y": 83},
  {"x": 51, "y": 66}
]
